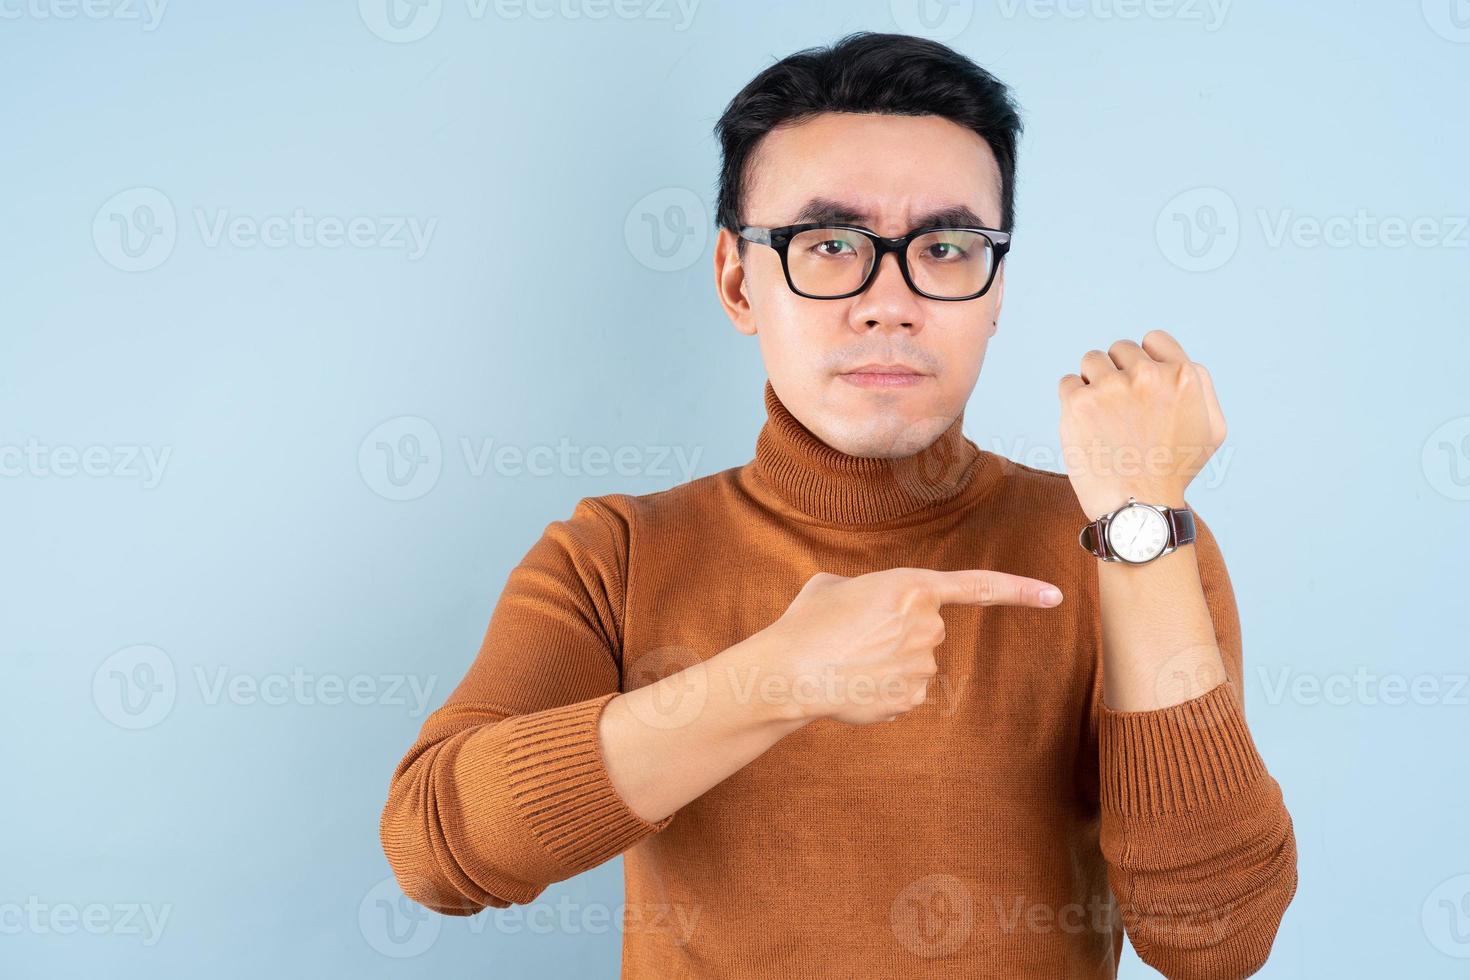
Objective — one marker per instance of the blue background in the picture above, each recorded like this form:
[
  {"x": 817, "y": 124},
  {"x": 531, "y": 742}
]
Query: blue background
[{"x": 1167, "y": 148}]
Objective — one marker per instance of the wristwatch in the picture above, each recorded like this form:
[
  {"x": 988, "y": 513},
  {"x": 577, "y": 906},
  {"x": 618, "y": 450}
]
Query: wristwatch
[{"x": 1138, "y": 533}]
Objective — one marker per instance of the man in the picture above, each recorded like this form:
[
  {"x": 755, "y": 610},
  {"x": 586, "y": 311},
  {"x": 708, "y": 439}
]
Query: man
[{"x": 829, "y": 705}]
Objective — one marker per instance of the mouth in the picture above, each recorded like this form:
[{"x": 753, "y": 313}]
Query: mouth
[{"x": 883, "y": 376}]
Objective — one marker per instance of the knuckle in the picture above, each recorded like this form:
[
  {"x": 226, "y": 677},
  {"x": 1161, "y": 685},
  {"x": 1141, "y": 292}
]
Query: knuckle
[{"x": 930, "y": 635}]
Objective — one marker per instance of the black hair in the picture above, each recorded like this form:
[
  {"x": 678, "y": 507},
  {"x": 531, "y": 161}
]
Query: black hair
[{"x": 866, "y": 72}]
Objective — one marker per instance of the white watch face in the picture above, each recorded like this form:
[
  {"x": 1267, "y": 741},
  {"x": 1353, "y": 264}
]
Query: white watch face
[{"x": 1137, "y": 533}]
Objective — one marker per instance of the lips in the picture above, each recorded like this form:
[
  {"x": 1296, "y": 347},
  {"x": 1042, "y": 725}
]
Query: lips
[{"x": 884, "y": 369}]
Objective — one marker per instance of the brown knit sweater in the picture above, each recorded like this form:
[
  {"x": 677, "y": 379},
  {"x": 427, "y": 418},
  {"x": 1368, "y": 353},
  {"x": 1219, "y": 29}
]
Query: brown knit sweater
[{"x": 1010, "y": 827}]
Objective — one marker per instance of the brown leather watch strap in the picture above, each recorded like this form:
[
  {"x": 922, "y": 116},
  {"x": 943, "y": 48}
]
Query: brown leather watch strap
[
  {"x": 1181, "y": 520},
  {"x": 1091, "y": 538}
]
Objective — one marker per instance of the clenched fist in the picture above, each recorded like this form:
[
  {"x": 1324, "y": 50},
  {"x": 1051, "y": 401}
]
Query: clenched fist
[
  {"x": 1139, "y": 421},
  {"x": 861, "y": 649}
]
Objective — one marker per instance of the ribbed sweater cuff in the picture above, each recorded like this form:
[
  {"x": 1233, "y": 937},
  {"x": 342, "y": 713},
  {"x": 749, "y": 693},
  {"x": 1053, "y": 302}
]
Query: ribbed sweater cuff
[
  {"x": 543, "y": 773},
  {"x": 1189, "y": 756}
]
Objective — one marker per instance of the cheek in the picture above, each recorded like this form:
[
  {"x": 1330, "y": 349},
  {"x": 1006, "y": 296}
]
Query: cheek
[
  {"x": 785, "y": 321},
  {"x": 964, "y": 336}
]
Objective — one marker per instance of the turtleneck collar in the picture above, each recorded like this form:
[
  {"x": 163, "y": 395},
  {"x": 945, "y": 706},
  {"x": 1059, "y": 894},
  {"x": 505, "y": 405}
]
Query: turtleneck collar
[{"x": 832, "y": 486}]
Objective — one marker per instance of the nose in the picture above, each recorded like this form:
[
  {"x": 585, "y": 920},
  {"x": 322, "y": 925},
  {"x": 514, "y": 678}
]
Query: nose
[{"x": 888, "y": 301}]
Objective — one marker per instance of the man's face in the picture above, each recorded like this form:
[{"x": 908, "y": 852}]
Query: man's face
[{"x": 891, "y": 171}]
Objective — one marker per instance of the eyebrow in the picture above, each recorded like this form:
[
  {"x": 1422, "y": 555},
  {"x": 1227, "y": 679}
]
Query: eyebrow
[{"x": 827, "y": 209}]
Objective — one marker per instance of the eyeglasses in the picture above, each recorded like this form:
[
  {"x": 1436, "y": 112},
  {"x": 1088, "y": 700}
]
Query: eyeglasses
[{"x": 835, "y": 261}]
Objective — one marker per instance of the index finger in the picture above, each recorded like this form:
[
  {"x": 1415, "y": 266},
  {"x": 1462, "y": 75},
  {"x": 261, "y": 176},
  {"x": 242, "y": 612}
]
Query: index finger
[{"x": 983, "y": 587}]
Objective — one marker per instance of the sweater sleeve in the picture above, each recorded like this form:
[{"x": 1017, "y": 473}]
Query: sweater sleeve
[
  {"x": 1199, "y": 845},
  {"x": 505, "y": 789}
]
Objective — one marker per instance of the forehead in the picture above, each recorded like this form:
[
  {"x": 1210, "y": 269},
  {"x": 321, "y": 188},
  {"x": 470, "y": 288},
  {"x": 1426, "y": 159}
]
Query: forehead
[{"x": 891, "y": 169}]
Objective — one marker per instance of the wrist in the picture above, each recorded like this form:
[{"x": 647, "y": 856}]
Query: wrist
[
  {"x": 754, "y": 673},
  {"x": 1106, "y": 501}
]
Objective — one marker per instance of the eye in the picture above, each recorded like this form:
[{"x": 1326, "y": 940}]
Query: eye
[
  {"x": 945, "y": 251},
  {"x": 832, "y": 247}
]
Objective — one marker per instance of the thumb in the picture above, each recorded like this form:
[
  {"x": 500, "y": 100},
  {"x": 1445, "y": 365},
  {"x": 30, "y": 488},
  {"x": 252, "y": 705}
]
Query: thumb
[{"x": 980, "y": 586}]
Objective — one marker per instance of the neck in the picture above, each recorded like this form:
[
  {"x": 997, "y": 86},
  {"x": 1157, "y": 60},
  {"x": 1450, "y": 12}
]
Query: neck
[{"x": 837, "y": 487}]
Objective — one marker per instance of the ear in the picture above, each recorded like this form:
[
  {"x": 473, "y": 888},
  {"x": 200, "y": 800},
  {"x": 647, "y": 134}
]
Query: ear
[{"x": 731, "y": 284}]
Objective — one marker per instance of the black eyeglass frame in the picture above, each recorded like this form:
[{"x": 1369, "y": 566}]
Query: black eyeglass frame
[{"x": 780, "y": 240}]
